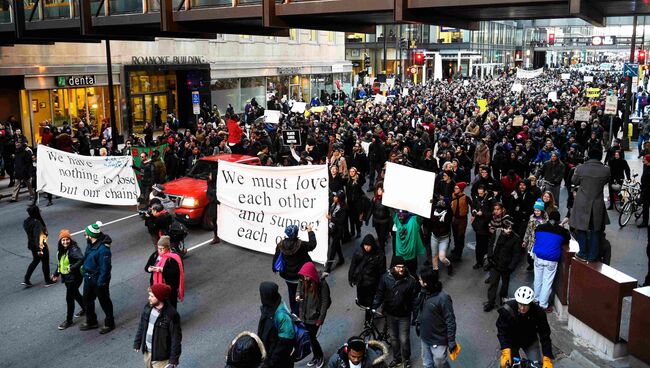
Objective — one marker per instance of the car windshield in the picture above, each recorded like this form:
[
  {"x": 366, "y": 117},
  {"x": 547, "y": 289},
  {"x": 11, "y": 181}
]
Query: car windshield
[{"x": 202, "y": 169}]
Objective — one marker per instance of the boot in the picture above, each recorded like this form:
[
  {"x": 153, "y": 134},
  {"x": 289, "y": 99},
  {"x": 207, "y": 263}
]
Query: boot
[{"x": 215, "y": 240}]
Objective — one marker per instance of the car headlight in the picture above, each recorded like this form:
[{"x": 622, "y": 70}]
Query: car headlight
[{"x": 189, "y": 202}]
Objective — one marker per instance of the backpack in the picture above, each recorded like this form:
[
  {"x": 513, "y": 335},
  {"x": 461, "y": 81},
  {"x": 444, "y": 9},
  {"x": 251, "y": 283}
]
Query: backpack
[{"x": 301, "y": 342}]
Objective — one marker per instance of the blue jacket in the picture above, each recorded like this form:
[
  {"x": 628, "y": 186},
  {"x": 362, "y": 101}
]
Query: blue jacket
[
  {"x": 549, "y": 239},
  {"x": 97, "y": 263},
  {"x": 544, "y": 155}
]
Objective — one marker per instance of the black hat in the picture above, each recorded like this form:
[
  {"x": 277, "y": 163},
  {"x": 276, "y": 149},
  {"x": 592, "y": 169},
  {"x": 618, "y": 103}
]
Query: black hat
[{"x": 397, "y": 260}]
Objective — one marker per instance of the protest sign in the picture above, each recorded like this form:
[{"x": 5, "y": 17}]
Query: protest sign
[
  {"x": 593, "y": 92},
  {"x": 405, "y": 91},
  {"x": 611, "y": 105},
  {"x": 588, "y": 78},
  {"x": 517, "y": 87},
  {"x": 552, "y": 96},
  {"x": 582, "y": 114},
  {"x": 565, "y": 76},
  {"x": 298, "y": 107},
  {"x": 258, "y": 202},
  {"x": 379, "y": 99},
  {"x": 291, "y": 137},
  {"x": 272, "y": 116},
  {"x": 482, "y": 105},
  {"x": 95, "y": 179},
  {"x": 408, "y": 189},
  {"x": 518, "y": 121},
  {"x": 366, "y": 147}
]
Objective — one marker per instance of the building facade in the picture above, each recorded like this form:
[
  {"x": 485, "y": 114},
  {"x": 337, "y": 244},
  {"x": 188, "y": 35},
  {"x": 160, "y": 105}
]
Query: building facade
[{"x": 69, "y": 81}]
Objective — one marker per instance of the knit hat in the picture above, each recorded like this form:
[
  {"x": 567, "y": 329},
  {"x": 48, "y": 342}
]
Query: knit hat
[
  {"x": 164, "y": 241},
  {"x": 309, "y": 270},
  {"x": 461, "y": 185},
  {"x": 397, "y": 260},
  {"x": 291, "y": 231},
  {"x": 539, "y": 205},
  {"x": 161, "y": 291},
  {"x": 93, "y": 230},
  {"x": 64, "y": 233}
]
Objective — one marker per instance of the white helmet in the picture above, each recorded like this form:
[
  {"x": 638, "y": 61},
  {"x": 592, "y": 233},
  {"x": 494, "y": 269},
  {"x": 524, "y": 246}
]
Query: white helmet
[{"x": 524, "y": 295}]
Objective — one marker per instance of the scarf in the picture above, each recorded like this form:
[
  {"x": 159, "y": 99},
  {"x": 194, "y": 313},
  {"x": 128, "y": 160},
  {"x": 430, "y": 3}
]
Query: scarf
[
  {"x": 440, "y": 214},
  {"x": 158, "y": 277}
]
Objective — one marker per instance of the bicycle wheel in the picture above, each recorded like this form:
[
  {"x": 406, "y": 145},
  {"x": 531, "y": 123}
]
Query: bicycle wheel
[
  {"x": 626, "y": 214},
  {"x": 622, "y": 199},
  {"x": 366, "y": 334}
]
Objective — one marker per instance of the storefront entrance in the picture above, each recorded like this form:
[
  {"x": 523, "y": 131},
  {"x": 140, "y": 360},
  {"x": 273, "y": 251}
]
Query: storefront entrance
[{"x": 151, "y": 107}]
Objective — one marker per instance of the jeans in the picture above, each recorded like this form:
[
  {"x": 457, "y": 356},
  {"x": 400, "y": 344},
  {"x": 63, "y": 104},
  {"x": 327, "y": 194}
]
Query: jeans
[
  {"x": 92, "y": 292},
  {"x": 434, "y": 356},
  {"x": 495, "y": 276},
  {"x": 17, "y": 184},
  {"x": 72, "y": 295},
  {"x": 400, "y": 336},
  {"x": 45, "y": 263},
  {"x": 292, "y": 286},
  {"x": 544, "y": 275},
  {"x": 439, "y": 249},
  {"x": 533, "y": 352},
  {"x": 589, "y": 242},
  {"x": 315, "y": 345},
  {"x": 555, "y": 190}
]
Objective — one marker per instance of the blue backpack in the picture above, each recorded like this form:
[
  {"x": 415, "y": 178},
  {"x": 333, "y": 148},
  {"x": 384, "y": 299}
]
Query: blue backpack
[{"x": 301, "y": 342}]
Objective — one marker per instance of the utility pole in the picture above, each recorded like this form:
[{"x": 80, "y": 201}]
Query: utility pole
[
  {"x": 625, "y": 143},
  {"x": 111, "y": 96},
  {"x": 385, "y": 49}
]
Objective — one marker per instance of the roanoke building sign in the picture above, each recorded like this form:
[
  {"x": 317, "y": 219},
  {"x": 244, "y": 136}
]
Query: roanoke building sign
[{"x": 163, "y": 60}]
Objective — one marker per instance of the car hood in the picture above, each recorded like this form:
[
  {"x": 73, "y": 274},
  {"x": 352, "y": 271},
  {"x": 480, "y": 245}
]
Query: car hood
[{"x": 186, "y": 187}]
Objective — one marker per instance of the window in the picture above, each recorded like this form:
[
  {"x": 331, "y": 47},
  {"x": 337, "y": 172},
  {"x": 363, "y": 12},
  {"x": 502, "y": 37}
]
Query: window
[
  {"x": 313, "y": 36},
  {"x": 331, "y": 37},
  {"x": 293, "y": 34},
  {"x": 225, "y": 92}
]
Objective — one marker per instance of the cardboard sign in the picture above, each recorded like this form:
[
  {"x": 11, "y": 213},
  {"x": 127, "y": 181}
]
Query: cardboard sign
[
  {"x": 582, "y": 114},
  {"x": 593, "y": 92},
  {"x": 272, "y": 116},
  {"x": 565, "y": 76},
  {"x": 298, "y": 107},
  {"x": 518, "y": 121},
  {"x": 482, "y": 105},
  {"x": 291, "y": 137},
  {"x": 517, "y": 87},
  {"x": 611, "y": 105},
  {"x": 552, "y": 96},
  {"x": 588, "y": 78},
  {"x": 408, "y": 189}
]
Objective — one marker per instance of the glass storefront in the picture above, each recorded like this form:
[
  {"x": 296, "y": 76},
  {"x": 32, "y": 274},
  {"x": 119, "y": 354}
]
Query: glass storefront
[
  {"x": 153, "y": 95},
  {"x": 55, "y": 106}
]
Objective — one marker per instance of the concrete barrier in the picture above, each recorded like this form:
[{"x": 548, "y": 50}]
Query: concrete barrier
[{"x": 639, "y": 335}]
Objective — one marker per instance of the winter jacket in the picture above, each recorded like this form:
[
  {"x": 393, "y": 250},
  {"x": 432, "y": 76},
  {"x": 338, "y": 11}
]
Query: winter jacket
[
  {"x": 398, "y": 296},
  {"x": 171, "y": 271},
  {"x": 553, "y": 172},
  {"x": 440, "y": 225},
  {"x": 275, "y": 328},
  {"x": 36, "y": 233},
  {"x": 245, "y": 351},
  {"x": 484, "y": 204},
  {"x": 367, "y": 267},
  {"x": 75, "y": 259},
  {"x": 460, "y": 205},
  {"x": 160, "y": 224},
  {"x": 167, "y": 336},
  {"x": 295, "y": 254},
  {"x": 408, "y": 242},
  {"x": 338, "y": 222},
  {"x": 529, "y": 236},
  {"x": 549, "y": 239},
  {"x": 503, "y": 254},
  {"x": 435, "y": 317},
  {"x": 97, "y": 263},
  {"x": 521, "y": 205},
  {"x": 380, "y": 213},
  {"x": 589, "y": 210},
  {"x": 234, "y": 132},
  {"x": 354, "y": 192},
  {"x": 491, "y": 185},
  {"x": 146, "y": 171},
  {"x": 313, "y": 308},
  {"x": 515, "y": 330},
  {"x": 22, "y": 164},
  {"x": 376, "y": 356}
]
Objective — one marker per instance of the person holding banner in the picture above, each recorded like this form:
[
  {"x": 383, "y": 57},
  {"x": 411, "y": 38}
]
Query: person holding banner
[{"x": 290, "y": 255}]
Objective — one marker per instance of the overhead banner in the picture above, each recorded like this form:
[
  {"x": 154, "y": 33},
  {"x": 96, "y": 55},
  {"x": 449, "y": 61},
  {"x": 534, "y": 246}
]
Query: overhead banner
[
  {"x": 259, "y": 202},
  {"x": 528, "y": 74},
  {"x": 95, "y": 179},
  {"x": 408, "y": 189}
]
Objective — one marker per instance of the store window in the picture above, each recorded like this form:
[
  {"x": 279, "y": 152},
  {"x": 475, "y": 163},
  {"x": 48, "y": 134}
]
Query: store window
[
  {"x": 153, "y": 96},
  {"x": 293, "y": 34},
  {"x": 153, "y": 5},
  {"x": 321, "y": 84},
  {"x": 210, "y": 3},
  {"x": 55, "y": 9},
  {"x": 277, "y": 86},
  {"x": 125, "y": 6},
  {"x": 331, "y": 37},
  {"x": 225, "y": 92},
  {"x": 253, "y": 88},
  {"x": 313, "y": 36}
]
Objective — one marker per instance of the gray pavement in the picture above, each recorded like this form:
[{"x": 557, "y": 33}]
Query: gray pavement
[{"x": 222, "y": 295}]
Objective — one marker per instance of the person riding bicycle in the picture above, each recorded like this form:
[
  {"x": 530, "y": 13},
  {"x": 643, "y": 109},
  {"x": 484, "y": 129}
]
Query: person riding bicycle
[
  {"x": 522, "y": 324},
  {"x": 356, "y": 353}
]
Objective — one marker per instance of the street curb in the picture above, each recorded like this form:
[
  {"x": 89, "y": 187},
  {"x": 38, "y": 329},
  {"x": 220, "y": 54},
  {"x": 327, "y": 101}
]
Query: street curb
[{"x": 577, "y": 357}]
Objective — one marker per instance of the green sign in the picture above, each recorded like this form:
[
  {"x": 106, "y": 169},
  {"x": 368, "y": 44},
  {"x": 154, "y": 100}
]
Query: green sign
[{"x": 75, "y": 80}]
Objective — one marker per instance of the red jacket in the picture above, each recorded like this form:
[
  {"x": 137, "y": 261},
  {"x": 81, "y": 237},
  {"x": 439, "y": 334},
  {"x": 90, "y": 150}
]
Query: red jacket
[
  {"x": 509, "y": 185},
  {"x": 234, "y": 132}
]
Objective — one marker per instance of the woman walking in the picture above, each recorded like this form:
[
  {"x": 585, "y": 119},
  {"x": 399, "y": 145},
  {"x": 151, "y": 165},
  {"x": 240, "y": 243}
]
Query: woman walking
[
  {"x": 70, "y": 258},
  {"x": 354, "y": 194},
  {"x": 380, "y": 214},
  {"x": 166, "y": 267},
  {"x": 36, "y": 231},
  {"x": 337, "y": 226},
  {"x": 314, "y": 297}
]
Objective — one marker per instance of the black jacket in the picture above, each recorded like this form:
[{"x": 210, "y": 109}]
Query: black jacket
[
  {"x": 171, "y": 271},
  {"x": 504, "y": 252},
  {"x": 520, "y": 331},
  {"x": 167, "y": 336},
  {"x": 553, "y": 172},
  {"x": 376, "y": 356},
  {"x": 76, "y": 259},
  {"x": 160, "y": 223},
  {"x": 23, "y": 164},
  {"x": 33, "y": 228},
  {"x": 435, "y": 317},
  {"x": 295, "y": 254},
  {"x": 380, "y": 213},
  {"x": 367, "y": 267},
  {"x": 398, "y": 296},
  {"x": 484, "y": 204}
]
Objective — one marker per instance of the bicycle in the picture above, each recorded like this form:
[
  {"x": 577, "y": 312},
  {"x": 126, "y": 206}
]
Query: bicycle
[
  {"x": 633, "y": 206},
  {"x": 626, "y": 191},
  {"x": 370, "y": 329},
  {"x": 523, "y": 363}
]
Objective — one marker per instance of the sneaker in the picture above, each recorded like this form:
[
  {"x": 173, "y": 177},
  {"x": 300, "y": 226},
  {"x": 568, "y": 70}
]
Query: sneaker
[
  {"x": 27, "y": 284},
  {"x": 316, "y": 362},
  {"x": 65, "y": 325},
  {"x": 488, "y": 307},
  {"x": 85, "y": 326},
  {"x": 477, "y": 266},
  {"x": 49, "y": 283},
  {"x": 106, "y": 329},
  {"x": 407, "y": 364},
  {"x": 312, "y": 362},
  {"x": 395, "y": 363},
  {"x": 320, "y": 362},
  {"x": 81, "y": 313}
]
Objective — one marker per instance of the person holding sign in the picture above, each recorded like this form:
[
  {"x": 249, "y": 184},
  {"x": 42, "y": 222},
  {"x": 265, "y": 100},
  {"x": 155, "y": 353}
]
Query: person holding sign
[
  {"x": 408, "y": 242},
  {"x": 291, "y": 254}
]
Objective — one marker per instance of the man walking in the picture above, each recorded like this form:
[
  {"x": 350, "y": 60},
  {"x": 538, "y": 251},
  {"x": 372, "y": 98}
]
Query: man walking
[
  {"x": 159, "y": 333},
  {"x": 553, "y": 173},
  {"x": 589, "y": 215},
  {"x": 22, "y": 170},
  {"x": 398, "y": 293},
  {"x": 549, "y": 239},
  {"x": 97, "y": 276}
]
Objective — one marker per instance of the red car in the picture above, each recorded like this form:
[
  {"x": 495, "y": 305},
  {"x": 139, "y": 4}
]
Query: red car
[{"x": 189, "y": 193}]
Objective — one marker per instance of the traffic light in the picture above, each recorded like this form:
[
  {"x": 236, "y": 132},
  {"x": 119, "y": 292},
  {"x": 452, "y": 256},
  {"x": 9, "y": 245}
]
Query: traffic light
[
  {"x": 551, "y": 38},
  {"x": 366, "y": 61},
  {"x": 419, "y": 58},
  {"x": 641, "y": 56}
]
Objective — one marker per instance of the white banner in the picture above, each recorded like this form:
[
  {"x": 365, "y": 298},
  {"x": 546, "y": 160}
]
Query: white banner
[
  {"x": 527, "y": 74},
  {"x": 258, "y": 202},
  {"x": 95, "y": 179},
  {"x": 408, "y": 189},
  {"x": 588, "y": 78},
  {"x": 298, "y": 107}
]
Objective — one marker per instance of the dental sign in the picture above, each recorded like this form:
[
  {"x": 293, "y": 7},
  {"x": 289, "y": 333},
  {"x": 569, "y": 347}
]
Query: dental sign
[
  {"x": 75, "y": 80},
  {"x": 603, "y": 40}
]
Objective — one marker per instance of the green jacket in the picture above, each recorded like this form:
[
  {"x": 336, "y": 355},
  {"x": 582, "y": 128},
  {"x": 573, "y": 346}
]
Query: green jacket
[
  {"x": 408, "y": 242},
  {"x": 283, "y": 322}
]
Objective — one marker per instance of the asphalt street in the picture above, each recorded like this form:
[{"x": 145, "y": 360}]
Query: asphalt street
[{"x": 221, "y": 294}]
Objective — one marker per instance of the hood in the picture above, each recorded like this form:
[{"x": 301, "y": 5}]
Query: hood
[
  {"x": 369, "y": 240},
  {"x": 246, "y": 351},
  {"x": 379, "y": 348},
  {"x": 269, "y": 294},
  {"x": 309, "y": 270},
  {"x": 289, "y": 246}
]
